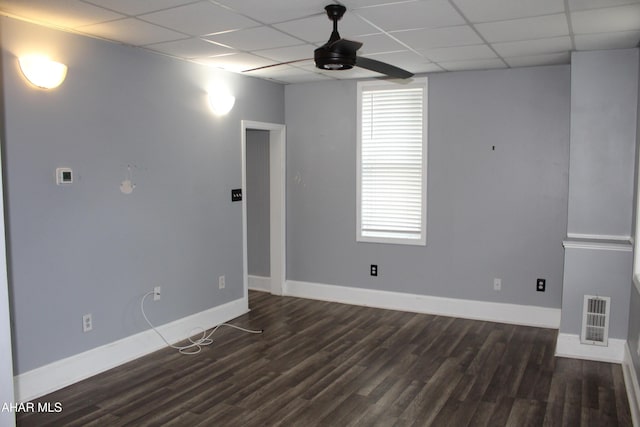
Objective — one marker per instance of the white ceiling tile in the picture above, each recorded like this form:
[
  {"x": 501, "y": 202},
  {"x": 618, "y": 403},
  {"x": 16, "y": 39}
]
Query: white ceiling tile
[
  {"x": 190, "y": 48},
  {"x": 439, "y": 37},
  {"x": 620, "y": 40},
  {"x": 254, "y": 39},
  {"x": 131, "y": 31},
  {"x": 412, "y": 15},
  {"x": 357, "y": 4},
  {"x": 277, "y": 71},
  {"x": 525, "y": 28},
  {"x": 406, "y": 59},
  {"x": 622, "y": 18},
  {"x": 290, "y": 53},
  {"x": 272, "y": 11},
  {"x": 305, "y": 77},
  {"x": 533, "y": 47},
  {"x": 62, "y": 13},
  {"x": 378, "y": 43},
  {"x": 428, "y": 68},
  {"x": 357, "y": 73},
  {"x": 476, "y": 64},
  {"x": 499, "y": 10},
  {"x": 406, "y": 33},
  {"x": 460, "y": 53},
  {"x": 137, "y": 7},
  {"x": 538, "y": 60},
  {"x": 199, "y": 19},
  {"x": 597, "y": 4},
  {"x": 236, "y": 62},
  {"x": 317, "y": 29}
]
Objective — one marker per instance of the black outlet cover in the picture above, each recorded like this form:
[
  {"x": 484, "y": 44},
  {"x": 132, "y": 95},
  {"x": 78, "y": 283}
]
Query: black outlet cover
[
  {"x": 236, "y": 195},
  {"x": 541, "y": 285},
  {"x": 374, "y": 269}
]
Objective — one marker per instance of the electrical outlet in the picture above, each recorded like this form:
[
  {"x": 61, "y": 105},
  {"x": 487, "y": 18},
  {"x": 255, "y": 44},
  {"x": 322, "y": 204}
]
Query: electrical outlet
[
  {"x": 541, "y": 285},
  {"x": 87, "y": 323},
  {"x": 156, "y": 293},
  {"x": 221, "y": 282},
  {"x": 374, "y": 270},
  {"x": 497, "y": 284}
]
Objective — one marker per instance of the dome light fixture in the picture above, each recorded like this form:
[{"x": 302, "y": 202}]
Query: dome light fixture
[{"x": 42, "y": 71}]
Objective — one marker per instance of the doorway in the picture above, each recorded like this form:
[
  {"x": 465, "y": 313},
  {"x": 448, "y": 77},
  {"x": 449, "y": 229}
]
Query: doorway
[{"x": 276, "y": 201}]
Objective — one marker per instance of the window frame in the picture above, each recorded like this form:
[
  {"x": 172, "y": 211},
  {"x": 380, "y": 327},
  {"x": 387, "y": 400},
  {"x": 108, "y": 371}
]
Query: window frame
[{"x": 364, "y": 86}]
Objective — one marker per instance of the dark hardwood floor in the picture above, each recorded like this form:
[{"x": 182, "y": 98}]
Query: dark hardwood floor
[{"x": 329, "y": 364}]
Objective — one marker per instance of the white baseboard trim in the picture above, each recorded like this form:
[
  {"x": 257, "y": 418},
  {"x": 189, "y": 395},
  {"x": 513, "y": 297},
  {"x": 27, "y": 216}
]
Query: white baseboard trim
[
  {"x": 61, "y": 373},
  {"x": 631, "y": 385},
  {"x": 259, "y": 283},
  {"x": 479, "y": 310},
  {"x": 569, "y": 345}
]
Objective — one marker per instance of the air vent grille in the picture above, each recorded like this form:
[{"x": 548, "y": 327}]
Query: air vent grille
[{"x": 595, "y": 320}]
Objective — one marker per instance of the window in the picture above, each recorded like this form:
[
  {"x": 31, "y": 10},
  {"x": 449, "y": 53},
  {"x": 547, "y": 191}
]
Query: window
[{"x": 392, "y": 162}]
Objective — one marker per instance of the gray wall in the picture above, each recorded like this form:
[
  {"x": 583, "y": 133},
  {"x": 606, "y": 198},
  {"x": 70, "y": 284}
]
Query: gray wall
[
  {"x": 604, "y": 99},
  {"x": 491, "y": 213},
  {"x": 600, "y": 273},
  {"x": 88, "y": 248},
  {"x": 603, "y": 127},
  {"x": 633, "y": 337},
  {"x": 257, "y": 200}
]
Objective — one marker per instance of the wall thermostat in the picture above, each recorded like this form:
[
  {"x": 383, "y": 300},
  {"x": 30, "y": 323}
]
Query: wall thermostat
[{"x": 64, "y": 176}]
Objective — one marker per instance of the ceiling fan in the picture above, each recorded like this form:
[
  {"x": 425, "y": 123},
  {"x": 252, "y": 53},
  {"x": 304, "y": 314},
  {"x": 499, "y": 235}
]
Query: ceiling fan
[{"x": 340, "y": 54}]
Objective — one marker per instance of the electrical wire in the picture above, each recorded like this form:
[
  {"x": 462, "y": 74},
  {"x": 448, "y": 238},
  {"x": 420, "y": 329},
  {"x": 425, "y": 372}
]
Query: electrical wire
[{"x": 196, "y": 344}]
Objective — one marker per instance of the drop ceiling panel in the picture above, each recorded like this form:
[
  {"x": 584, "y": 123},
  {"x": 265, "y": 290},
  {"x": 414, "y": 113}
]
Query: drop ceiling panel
[
  {"x": 62, "y": 13},
  {"x": 272, "y": 11},
  {"x": 525, "y": 28},
  {"x": 546, "y": 59},
  {"x": 476, "y": 64},
  {"x": 378, "y": 43},
  {"x": 597, "y": 4},
  {"x": 417, "y": 35},
  {"x": 236, "y": 62},
  {"x": 132, "y": 31},
  {"x": 198, "y": 19},
  {"x": 615, "y": 19},
  {"x": 317, "y": 29},
  {"x": 408, "y": 60},
  {"x": 190, "y": 48},
  {"x": 412, "y": 15},
  {"x": 254, "y": 39},
  {"x": 461, "y": 53},
  {"x": 291, "y": 53},
  {"x": 621, "y": 40},
  {"x": 500, "y": 10},
  {"x": 440, "y": 37},
  {"x": 137, "y": 7},
  {"x": 533, "y": 47}
]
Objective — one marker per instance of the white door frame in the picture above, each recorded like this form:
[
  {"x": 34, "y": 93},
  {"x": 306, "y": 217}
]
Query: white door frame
[{"x": 277, "y": 203}]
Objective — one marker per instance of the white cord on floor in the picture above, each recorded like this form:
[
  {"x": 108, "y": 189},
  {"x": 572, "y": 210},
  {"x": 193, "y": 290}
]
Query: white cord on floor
[{"x": 196, "y": 345}]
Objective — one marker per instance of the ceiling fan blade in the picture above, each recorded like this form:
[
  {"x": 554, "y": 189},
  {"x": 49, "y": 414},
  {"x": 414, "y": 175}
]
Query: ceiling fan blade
[
  {"x": 343, "y": 45},
  {"x": 382, "y": 67},
  {"x": 275, "y": 65}
]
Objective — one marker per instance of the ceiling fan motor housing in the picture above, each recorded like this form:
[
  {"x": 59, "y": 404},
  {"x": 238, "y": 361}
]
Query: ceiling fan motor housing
[{"x": 334, "y": 59}]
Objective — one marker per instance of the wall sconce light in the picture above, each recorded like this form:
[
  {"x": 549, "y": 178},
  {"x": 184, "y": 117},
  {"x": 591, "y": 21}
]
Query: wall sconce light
[
  {"x": 221, "y": 100},
  {"x": 43, "y": 72}
]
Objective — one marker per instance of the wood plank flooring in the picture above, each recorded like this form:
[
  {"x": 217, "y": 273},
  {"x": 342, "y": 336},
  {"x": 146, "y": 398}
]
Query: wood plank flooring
[{"x": 329, "y": 364}]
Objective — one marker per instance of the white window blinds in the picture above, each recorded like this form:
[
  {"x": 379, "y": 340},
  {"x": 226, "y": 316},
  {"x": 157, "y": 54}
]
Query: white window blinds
[{"x": 392, "y": 159}]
